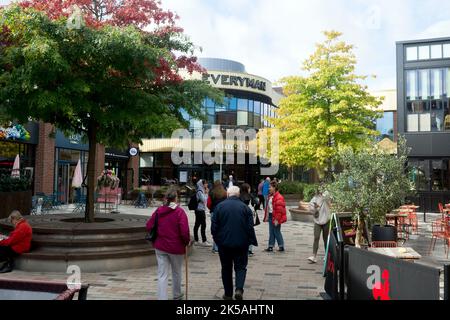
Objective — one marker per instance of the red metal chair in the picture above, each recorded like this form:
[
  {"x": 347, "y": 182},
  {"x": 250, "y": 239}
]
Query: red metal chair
[
  {"x": 384, "y": 244},
  {"x": 439, "y": 230}
]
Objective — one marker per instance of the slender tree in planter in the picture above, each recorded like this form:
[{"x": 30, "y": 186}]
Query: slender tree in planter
[
  {"x": 113, "y": 84},
  {"x": 327, "y": 109},
  {"x": 372, "y": 181}
]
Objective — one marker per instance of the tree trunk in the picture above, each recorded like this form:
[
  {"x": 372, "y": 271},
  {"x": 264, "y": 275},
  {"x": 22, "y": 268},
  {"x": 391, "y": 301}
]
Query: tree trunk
[
  {"x": 360, "y": 232},
  {"x": 291, "y": 173},
  {"x": 92, "y": 179}
]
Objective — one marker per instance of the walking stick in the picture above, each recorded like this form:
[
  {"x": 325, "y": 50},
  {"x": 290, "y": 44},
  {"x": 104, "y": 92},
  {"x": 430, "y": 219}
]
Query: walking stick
[{"x": 186, "y": 269}]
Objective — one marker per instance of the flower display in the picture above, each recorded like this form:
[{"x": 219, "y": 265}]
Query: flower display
[
  {"x": 108, "y": 179},
  {"x": 17, "y": 132}
]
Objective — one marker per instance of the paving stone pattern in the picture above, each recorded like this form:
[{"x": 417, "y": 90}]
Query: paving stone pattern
[{"x": 270, "y": 276}]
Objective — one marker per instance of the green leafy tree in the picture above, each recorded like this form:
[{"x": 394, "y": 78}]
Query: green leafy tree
[
  {"x": 109, "y": 83},
  {"x": 325, "y": 110},
  {"x": 372, "y": 182}
]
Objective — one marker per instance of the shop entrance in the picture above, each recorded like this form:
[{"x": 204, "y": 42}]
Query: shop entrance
[{"x": 64, "y": 190}]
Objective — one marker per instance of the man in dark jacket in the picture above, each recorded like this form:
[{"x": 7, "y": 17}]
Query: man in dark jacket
[{"x": 233, "y": 231}]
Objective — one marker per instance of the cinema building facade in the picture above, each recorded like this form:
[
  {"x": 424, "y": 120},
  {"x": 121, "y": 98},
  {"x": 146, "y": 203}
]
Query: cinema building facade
[
  {"x": 423, "y": 89},
  {"x": 249, "y": 101}
]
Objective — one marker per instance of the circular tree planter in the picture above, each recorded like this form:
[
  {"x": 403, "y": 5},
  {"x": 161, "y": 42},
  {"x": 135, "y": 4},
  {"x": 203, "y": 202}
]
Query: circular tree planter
[
  {"x": 302, "y": 213},
  {"x": 112, "y": 243}
]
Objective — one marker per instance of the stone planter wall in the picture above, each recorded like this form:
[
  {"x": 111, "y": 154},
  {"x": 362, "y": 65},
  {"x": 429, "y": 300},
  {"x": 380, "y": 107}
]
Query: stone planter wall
[
  {"x": 18, "y": 200},
  {"x": 302, "y": 213}
]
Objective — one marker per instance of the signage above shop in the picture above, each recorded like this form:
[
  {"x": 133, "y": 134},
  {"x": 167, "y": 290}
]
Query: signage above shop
[
  {"x": 235, "y": 81},
  {"x": 75, "y": 139},
  {"x": 133, "y": 152},
  {"x": 16, "y": 132}
]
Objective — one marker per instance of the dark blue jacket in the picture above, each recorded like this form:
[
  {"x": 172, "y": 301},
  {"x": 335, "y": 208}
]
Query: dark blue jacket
[{"x": 232, "y": 224}]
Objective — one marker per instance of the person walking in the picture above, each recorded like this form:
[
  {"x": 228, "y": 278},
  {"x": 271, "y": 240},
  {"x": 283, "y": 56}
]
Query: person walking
[
  {"x": 233, "y": 231},
  {"x": 246, "y": 198},
  {"x": 320, "y": 205},
  {"x": 260, "y": 195},
  {"x": 275, "y": 215},
  {"x": 265, "y": 191},
  {"x": 170, "y": 244},
  {"x": 200, "y": 213},
  {"x": 218, "y": 194}
]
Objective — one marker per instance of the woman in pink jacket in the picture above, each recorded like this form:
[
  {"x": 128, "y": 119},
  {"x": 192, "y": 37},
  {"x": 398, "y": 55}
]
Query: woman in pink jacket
[{"x": 170, "y": 244}]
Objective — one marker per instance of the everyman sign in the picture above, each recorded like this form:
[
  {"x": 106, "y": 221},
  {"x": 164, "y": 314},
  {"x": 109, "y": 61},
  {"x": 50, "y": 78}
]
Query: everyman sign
[{"x": 235, "y": 81}]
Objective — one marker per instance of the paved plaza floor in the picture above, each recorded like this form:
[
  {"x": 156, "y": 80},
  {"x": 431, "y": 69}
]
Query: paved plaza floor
[{"x": 270, "y": 276}]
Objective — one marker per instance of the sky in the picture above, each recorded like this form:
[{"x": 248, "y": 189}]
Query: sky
[{"x": 272, "y": 38}]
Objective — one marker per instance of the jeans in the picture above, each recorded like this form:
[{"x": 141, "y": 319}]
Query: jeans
[
  {"x": 275, "y": 234},
  {"x": 238, "y": 257},
  {"x": 200, "y": 221},
  {"x": 317, "y": 230},
  {"x": 166, "y": 261}
]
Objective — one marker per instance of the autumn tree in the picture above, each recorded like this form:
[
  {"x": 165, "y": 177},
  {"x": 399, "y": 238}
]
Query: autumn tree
[
  {"x": 113, "y": 84},
  {"x": 326, "y": 109}
]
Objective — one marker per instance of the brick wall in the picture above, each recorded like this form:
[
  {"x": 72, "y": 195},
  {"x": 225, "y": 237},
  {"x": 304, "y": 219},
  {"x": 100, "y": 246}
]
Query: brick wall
[{"x": 45, "y": 160}]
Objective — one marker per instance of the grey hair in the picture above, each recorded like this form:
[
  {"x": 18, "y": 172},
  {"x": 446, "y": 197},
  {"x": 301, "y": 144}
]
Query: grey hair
[
  {"x": 233, "y": 191},
  {"x": 16, "y": 215},
  {"x": 171, "y": 195}
]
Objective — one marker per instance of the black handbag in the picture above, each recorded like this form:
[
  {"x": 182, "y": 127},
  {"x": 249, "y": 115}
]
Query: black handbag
[{"x": 153, "y": 233}]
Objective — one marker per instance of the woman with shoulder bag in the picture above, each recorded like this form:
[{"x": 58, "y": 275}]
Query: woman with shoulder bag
[
  {"x": 170, "y": 243},
  {"x": 320, "y": 206}
]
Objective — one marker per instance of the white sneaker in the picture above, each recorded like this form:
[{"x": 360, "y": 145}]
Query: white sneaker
[
  {"x": 207, "y": 244},
  {"x": 312, "y": 259}
]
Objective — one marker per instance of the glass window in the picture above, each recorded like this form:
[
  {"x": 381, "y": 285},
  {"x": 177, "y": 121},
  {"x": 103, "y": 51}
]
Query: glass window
[
  {"x": 242, "y": 118},
  {"x": 163, "y": 159},
  {"x": 425, "y": 122},
  {"x": 250, "y": 119},
  {"x": 424, "y": 87},
  {"x": 413, "y": 122},
  {"x": 385, "y": 126},
  {"x": 424, "y": 52},
  {"x": 446, "y": 50},
  {"x": 242, "y": 104},
  {"x": 233, "y": 104},
  {"x": 250, "y": 105},
  {"x": 419, "y": 174},
  {"x": 228, "y": 118},
  {"x": 436, "y": 83},
  {"x": 411, "y": 53},
  {"x": 211, "y": 118},
  {"x": 196, "y": 124},
  {"x": 185, "y": 115},
  {"x": 257, "y": 107},
  {"x": 436, "y": 51},
  {"x": 446, "y": 116},
  {"x": 257, "y": 121},
  {"x": 209, "y": 103},
  {"x": 437, "y": 115},
  {"x": 147, "y": 160},
  {"x": 411, "y": 85}
]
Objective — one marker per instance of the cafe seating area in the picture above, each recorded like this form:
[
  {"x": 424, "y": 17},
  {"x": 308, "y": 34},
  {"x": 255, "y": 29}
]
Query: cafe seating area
[{"x": 440, "y": 229}]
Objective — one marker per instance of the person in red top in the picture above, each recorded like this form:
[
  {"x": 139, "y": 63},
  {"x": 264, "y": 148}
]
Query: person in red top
[
  {"x": 18, "y": 242},
  {"x": 275, "y": 214}
]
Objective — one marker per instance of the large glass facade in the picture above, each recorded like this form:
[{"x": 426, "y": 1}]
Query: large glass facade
[
  {"x": 430, "y": 174},
  {"x": 234, "y": 112},
  {"x": 427, "y": 100}
]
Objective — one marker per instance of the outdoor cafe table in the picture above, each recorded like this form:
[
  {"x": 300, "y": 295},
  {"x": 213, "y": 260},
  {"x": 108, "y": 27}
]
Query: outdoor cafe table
[{"x": 404, "y": 253}]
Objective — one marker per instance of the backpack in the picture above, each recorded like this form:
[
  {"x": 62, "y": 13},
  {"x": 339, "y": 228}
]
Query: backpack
[{"x": 193, "y": 202}]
